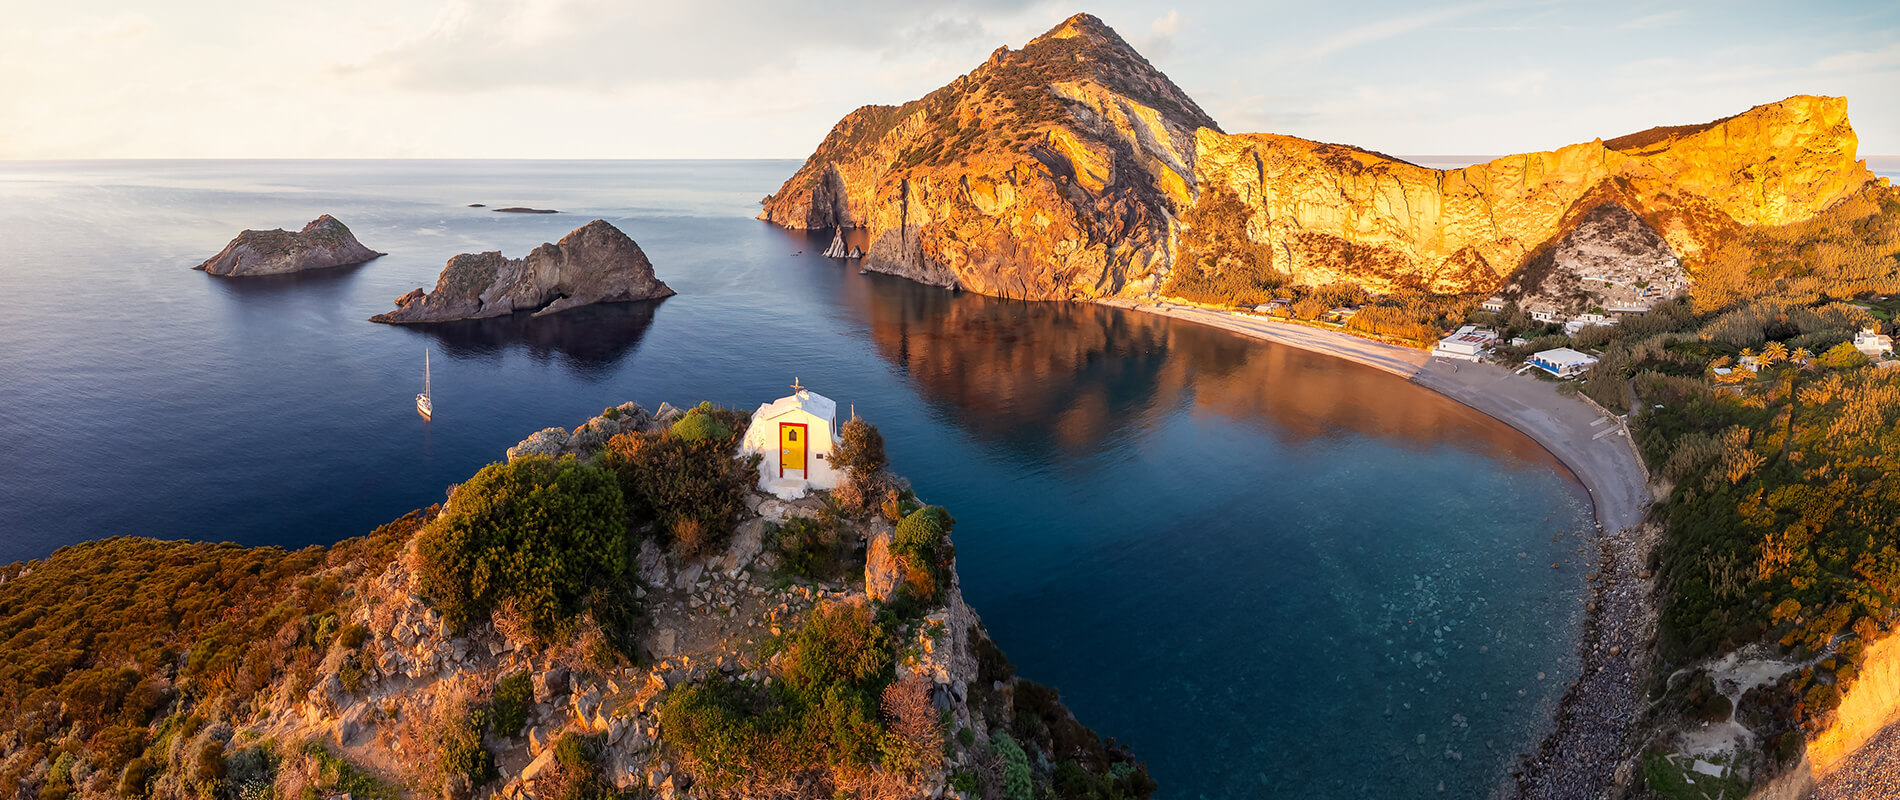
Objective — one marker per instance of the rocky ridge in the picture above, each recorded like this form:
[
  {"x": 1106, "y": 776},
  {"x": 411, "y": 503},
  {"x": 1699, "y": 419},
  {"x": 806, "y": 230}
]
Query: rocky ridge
[
  {"x": 324, "y": 242},
  {"x": 1065, "y": 170},
  {"x": 707, "y": 619},
  {"x": 596, "y": 263}
]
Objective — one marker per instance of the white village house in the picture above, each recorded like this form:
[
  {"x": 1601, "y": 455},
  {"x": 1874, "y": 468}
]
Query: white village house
[
  {"x": 794, "y": 436},
  {"x": 1873, "y": 343},
  {"x": 1469, "y": 343},
  {"x": 1563, "y": 362},
  {"x": 1589, "y": 320}
]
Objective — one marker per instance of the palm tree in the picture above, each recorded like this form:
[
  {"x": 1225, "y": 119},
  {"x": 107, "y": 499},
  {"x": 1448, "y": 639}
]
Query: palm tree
[{"x": 1774, "y": 352}]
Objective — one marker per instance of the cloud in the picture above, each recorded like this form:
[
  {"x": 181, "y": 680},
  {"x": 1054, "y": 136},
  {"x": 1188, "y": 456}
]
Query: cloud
[
  {"x": 1159, "y": 43},
  {"x": 476, "y": 45},
  {"x": 1652, "y": 21},
  {"x": 1382, "y": 30}
]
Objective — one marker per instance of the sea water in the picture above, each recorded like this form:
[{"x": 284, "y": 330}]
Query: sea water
[{"x": 1270, "y": 573}]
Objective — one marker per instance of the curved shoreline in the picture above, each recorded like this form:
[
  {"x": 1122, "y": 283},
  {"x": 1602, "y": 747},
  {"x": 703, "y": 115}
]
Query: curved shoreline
[{"x": 1588, "y": 746}]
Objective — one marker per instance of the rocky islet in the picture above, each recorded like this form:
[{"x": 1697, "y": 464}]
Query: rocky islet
[
  {"x": 323, "y": 243},
  {"x": 597, "y": 263}
]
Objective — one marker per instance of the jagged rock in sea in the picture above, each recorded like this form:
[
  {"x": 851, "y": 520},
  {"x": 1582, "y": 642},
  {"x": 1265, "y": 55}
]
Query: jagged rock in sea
[
  {"x": 325, "y": 242},
  {"x": 597, "y": 263},
  {"x": 1072, "y": 168},
  {"x": 836, "y": 250}
]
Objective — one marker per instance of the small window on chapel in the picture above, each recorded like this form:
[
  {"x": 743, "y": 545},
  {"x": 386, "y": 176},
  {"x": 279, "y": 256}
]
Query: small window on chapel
[{"x": 791, "y": 436}]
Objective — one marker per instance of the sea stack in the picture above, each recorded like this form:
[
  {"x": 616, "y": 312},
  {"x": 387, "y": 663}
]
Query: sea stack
[
  {"x": 325, "y": 242},
  {"x": 597, "y": 263}
]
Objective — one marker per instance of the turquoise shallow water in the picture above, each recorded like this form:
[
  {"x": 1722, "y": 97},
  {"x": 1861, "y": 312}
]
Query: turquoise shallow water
[{"x": 1272, "y": 573}]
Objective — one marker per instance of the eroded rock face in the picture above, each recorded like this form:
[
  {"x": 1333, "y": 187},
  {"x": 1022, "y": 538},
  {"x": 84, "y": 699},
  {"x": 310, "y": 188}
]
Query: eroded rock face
[
  {"x": 597, "y": 263},
  {"x": 325, "y": 242},
  {"x": 1066, "y": 169},
  {"x": 1045, "y": 173}
]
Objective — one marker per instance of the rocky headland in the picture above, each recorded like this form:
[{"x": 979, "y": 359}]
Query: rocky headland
[
  {"x": 1072, "y": 168},
  {"x": 814, "y": 648},
  {"x": 597, "y": 263},
  {"x": 325, "y": 242}
]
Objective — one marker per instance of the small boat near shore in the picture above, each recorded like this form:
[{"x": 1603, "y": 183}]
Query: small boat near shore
[{"x": 425, "y": 403}]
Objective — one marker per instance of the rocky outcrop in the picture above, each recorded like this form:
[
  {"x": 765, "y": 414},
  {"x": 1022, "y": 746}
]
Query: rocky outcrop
[
  {"x": 597, "y": 263},
  {"x": 706, "y": 619},
  {"x": 1045, "y": 173},
  {"x": 1070, "y": 168},
  {"x": 325, "y": 242}
]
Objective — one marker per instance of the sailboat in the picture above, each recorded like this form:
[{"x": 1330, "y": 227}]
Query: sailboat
[{"x": 424, "y": 404}]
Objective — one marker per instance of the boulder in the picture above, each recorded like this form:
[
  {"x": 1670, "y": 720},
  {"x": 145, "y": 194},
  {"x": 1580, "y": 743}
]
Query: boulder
[
  {"x": 550, "y": 684},
  {"x": 352, "y": 726},
  {"x": 544, "y": 442},
  {"x": 538, "y": 739},
  {"x": 688, "y": 576},
  {"x": 633, "y": 417},
  {"x": 539, "y": 765},
  {"x": 883, "y": 574},
  {"x": 665, "y": 643},
  {"x": 596, "y": 263},
  {"x": 747, "y": 541},
  {"x": 651, "y": 564},
  {"x": 593, "y": 434},
  {"x": 324, "y": 242}
]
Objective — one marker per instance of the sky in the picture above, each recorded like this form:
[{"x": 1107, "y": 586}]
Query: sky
[{"x": 768, "y": 78}]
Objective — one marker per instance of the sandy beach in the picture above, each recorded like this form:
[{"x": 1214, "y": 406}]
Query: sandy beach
[{"x": 1589, "y": 741}]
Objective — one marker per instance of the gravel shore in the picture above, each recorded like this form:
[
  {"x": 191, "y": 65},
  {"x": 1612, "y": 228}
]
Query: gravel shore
[
  {"x": 1871, "y": 773},
  {"x": 1589, "y": 748}
]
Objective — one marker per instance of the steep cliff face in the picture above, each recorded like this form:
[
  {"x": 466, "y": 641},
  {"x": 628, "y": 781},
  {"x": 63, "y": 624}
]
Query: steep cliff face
[
  {"x": 1462, "y": 230},
  {"x": 1069, "y": 169},
  {"x": 1047, "y": 172},
  {"x": 596, "y": 263},
  {"x": 324, "y": 242}
]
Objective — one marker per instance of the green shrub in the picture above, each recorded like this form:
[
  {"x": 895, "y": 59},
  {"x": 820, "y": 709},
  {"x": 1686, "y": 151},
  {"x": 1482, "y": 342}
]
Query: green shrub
[
  {"x": 508, "y": 709},
  {"x": 134, "y": 778},
  {"x": 535, "y": 531},
  {"x": 814, "y": 548},
  {"x": 336, "y": 775},
  {"x": 577, "y": 774},
  {"x": 823, "y": 714},
  {"x": 700, "y": 424},
  {"x": 922, "y": 544},
  {"x": 1016, "y": 781},
  {"x": 728, "y": 732},
  {"x": 685, "y": 486},
  {"x": 252, "y": 767},
  {"x": 352, "y": 636},
  {"x": 1843, "y": 356},
  {"x": 923, "y": 532},
  {"x": 460, "y": 750},
  {"x": 838, "y": 644},
  {"x": 860, "y": 447}
]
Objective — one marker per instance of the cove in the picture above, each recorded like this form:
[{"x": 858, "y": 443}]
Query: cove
[{"x": 1271, "y": 573}]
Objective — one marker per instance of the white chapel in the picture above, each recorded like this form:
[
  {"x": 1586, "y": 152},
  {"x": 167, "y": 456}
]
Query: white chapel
[{"x": 795, "y": 436}]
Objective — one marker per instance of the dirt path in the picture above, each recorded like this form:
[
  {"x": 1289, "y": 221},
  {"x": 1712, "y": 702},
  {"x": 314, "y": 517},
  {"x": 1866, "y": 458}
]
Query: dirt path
[{"x": 1590, "y": 738}]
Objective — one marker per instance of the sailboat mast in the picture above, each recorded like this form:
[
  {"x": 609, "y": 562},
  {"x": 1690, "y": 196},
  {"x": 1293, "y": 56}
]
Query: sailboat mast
[{"x": 425, "y": 371}]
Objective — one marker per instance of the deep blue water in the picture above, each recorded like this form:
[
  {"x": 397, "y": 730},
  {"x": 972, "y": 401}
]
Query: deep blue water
[{"x": 1272, "y": 573}]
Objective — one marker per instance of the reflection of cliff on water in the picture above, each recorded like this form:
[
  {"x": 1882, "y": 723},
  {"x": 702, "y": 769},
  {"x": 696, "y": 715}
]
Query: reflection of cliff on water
[
  {"x": 589, "y": 340},
  {"x": 1075, "y": 374}
]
